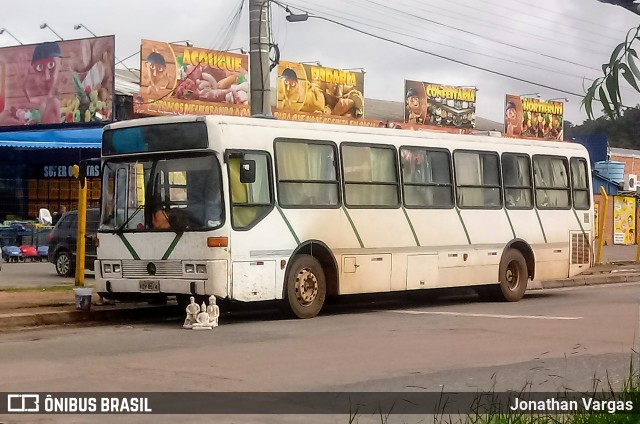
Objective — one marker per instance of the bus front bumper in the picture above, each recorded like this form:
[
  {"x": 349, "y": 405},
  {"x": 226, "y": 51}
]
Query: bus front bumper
[{"x": 215, "y": 282}]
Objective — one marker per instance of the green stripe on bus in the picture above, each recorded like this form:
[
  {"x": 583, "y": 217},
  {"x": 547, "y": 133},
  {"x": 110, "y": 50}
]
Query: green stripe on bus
[
  {"x": 464, "y": 227},
  {"x": 172, "y": 246},
  {"x": 541, "y": 227},
  {"x": 510, "y": 224},
  {"x": 286, "y": 221},
  {"x": 355, "y": 230},
  {"x": 129, "y": 247},
  {"x": 413, "y": 231}
]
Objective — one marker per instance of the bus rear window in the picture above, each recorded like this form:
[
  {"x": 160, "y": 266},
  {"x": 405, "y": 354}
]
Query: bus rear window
[{"x": 155, "y": 138}]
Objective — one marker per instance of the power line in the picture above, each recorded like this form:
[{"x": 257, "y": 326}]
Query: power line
[
  {"x": 515, "y": 19},
  {"x": 594, "y": 24},
  {"x": 441, "y": 56},
  {"x": 535, "y": 65},
  {"x": 485, "y": 37}
]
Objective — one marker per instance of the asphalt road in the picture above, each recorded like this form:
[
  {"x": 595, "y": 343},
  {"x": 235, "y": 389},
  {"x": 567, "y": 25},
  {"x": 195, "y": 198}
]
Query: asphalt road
[
  {"x": 34, "y": 274},
  {"x": 560, "y": 339}
]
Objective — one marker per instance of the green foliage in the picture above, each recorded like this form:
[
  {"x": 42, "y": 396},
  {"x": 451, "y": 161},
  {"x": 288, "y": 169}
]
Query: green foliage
[
  {"x": 621, "y": 132},
  {"x": 624, "y": 62}
]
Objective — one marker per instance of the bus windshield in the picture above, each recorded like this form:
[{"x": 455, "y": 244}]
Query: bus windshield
[{"x": 181, "y": 193}]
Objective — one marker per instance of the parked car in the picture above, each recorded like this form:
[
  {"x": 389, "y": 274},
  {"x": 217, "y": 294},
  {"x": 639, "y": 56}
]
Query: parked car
[
  {"x": 12, "y": 254},
  {"x": 63, "y": 239}
]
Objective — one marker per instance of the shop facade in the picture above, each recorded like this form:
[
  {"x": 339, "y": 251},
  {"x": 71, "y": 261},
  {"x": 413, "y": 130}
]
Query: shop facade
[{"x": 35, "y": 171}]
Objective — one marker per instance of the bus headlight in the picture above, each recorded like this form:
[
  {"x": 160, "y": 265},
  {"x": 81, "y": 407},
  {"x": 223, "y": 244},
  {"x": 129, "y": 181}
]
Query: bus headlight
[
  {"x": 189, "y": 268},
  {"x": 111, "y": 267},
  {"x": 201, "y": 269}
]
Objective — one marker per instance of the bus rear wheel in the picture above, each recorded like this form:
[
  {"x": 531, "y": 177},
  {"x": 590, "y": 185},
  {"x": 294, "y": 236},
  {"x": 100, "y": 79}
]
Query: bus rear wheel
[
  {"x": 513, "y": 276},
  {"x": 306, "y": 287}
]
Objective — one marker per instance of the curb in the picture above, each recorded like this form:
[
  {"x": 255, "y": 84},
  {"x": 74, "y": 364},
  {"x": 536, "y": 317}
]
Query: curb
[
  {"x": 75, "y": 316},
  {"x": 586, "y": 280}
]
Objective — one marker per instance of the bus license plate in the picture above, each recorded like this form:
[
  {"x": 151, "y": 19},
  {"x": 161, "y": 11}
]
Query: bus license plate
[{"x": 149, "y": 285}]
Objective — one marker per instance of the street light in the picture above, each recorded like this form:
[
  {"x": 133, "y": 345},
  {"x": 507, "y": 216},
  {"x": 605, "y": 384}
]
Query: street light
[
  {"x": 3, "y": 30},
  {"x": 564, "y": 99},
  {"x": 187, "y": 42},
  {"x": 537, "y": 95},
  {"x": 296, "y": 17},
  {"x": 45, "y": 25},
  {"x": 82, "y": 26},
  {"x": 240, "y": 49},
  {"x": 312, "y": 62}
]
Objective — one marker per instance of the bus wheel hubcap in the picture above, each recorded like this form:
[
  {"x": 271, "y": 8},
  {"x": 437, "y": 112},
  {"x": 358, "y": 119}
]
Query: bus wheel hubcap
[
  {"x": 512, "y": 276},
  {"x": 306, "y": 286}
]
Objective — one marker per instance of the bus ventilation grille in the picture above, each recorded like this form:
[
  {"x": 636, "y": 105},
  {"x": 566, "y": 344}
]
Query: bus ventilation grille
[{"x": 579, "y": 249}]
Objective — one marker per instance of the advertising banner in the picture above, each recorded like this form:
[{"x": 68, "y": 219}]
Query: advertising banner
[
  {"x": 318, "y": 94},
  {"x": 624, "y": 220},
  {"x": 439, "y": 105},
  {"x": 526, "y": 117},
  {"x": 185, "y": 80},
  {"x": 57, "y": 82}
]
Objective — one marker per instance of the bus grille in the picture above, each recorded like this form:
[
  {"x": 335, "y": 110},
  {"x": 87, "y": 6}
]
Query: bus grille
[
  {"x": 138, "y": 269},
  {"x": 580, "y": 252}
]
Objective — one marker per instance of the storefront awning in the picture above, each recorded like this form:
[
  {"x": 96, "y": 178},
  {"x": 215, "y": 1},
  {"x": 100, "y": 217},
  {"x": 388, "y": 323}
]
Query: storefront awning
[{"x": 86, "y": 138}]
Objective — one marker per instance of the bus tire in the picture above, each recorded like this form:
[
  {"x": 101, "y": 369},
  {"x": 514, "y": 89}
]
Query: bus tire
[
  {"x": 306, "y": 287},
  {"x": 513, "y": 276}
]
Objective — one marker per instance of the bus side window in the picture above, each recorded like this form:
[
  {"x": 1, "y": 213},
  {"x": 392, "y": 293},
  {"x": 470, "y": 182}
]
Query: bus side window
[
  {"x": 250, "y": 202},
  {"x": 426, "y": 178},
  {"x": 580, "y": 184},
  {"x": 516, "y": 175}
]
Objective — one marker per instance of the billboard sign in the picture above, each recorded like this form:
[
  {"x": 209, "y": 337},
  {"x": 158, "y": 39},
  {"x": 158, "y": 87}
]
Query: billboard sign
[
  {"x": 186, "y": 80},
  {"x": 57, "y": 82},
  {"x": 527, "y": 117},
  {"x": 439, "y": 105},
  {"x": 319, "y": 94}
]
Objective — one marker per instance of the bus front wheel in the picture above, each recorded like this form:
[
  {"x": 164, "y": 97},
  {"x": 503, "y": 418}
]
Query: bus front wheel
[
  {"x": 513, "y": 276},
  {"x": 306, "y": 287}
]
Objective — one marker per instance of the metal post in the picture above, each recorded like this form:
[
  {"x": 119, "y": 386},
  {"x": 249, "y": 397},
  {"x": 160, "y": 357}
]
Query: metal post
[
  {"x": 602, "y": 220},
  {"x": 259, "y": 57},
  {"x": 82, "y": 224}
]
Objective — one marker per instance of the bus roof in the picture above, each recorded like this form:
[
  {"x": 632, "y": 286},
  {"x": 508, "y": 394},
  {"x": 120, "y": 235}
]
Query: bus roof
[{"x": 353, "y": 129}]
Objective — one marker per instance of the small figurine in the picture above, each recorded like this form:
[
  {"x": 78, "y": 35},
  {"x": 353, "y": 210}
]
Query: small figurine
[
  {"x": 203, "y": 319},
  {"x": 214, "y": 311},
  {"x": 192, "y": 313}
]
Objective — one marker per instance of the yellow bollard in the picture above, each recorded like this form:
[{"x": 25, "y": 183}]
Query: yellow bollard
[
  {"x": 602, "y": 220},
  {"x": 82, "y": 224}
]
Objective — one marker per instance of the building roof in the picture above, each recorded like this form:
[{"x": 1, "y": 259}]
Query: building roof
[{"x": 629, "y": 153}]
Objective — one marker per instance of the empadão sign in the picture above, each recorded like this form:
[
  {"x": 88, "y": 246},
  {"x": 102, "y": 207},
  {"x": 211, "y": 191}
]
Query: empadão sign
[
  {"x": 439, "y": 105},
  {"x": 183, "y": 80},
  {"x": 57, "y": 82},
  {"x": 316, "y": 91},
  {"x": 525, "y": 117}
]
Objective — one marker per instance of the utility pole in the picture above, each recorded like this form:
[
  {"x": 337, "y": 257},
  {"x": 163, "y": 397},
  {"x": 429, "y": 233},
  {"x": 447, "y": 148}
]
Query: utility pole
[{"x": 259, "y": 57}]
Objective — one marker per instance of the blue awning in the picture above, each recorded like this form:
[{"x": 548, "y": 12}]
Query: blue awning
[{"x": 87, "y": 138}]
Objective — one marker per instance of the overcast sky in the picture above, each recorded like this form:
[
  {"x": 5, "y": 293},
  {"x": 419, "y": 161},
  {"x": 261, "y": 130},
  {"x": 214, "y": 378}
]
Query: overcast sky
[{"x": 493, "y": 34}]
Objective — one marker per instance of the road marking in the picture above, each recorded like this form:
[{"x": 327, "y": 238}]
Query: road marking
[{"x": 465, "y": 314}]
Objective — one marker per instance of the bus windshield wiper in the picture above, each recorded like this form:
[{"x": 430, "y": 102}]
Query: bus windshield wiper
[{"x": 124, "y": 224}]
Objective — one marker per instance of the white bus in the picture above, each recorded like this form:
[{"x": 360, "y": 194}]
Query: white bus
[{"x": 251, "y": 209}]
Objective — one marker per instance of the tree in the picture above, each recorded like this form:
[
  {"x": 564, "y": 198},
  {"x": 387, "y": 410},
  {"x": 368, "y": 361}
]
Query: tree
[{"x": 624, "y": 61}]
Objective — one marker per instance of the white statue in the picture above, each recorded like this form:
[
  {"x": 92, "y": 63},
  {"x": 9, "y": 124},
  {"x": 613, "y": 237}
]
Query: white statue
[
  {"x": 202, "y": 322},
  {"x": 214, "y": 311},
  {"x": 192, "y": 313}
]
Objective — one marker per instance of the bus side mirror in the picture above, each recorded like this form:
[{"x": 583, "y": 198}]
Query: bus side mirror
[{"x": 247, "y": 171}]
